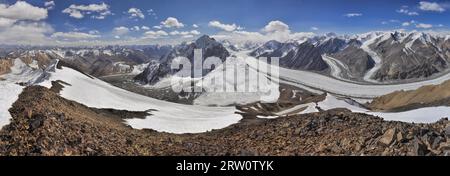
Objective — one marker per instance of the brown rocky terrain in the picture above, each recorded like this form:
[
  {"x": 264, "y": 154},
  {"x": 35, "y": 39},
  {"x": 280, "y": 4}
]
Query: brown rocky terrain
[
  {"x": 45, "y": 124},
  {"x": 431, "y": 95},
  {"x": 5, "y": 66}
]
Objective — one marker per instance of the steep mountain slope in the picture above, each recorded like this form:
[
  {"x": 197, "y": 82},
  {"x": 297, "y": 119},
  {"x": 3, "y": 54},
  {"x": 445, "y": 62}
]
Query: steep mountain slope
[
  {"x": 432, "y": 95},
  {"x": 157, "y": 70},
  {"x": 371, "y": 57},
  {"x": 96, "y": 61},
  {"x": 303, "y": 56}
]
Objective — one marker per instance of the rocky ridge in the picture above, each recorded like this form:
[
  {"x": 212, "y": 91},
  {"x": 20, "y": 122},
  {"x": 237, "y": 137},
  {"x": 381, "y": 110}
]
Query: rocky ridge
[{"x": 45, "y": 124}]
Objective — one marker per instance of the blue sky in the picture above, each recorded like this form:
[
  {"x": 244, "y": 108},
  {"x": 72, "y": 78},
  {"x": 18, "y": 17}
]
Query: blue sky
[{"x": 306, "y": 16}]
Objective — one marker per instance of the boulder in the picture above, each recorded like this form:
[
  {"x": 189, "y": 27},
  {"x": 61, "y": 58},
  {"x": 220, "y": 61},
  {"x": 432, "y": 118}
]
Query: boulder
[{"x": 388, "y": 137}]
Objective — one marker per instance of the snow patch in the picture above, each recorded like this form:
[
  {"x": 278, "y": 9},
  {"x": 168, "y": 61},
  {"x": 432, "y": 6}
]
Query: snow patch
[{"x": 166, "y": 116}]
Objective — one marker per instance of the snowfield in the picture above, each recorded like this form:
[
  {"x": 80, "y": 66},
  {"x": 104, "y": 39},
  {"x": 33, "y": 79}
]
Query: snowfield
[
  {"x": 165, "y": 116},
  {"x": 8, "y": 95},
  {"x": 269, "y": 93},
  {"x": 10, "y": 90},
  {"x": 421, "y": 115}
]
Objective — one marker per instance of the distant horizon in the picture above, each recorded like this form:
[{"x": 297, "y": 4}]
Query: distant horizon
[
  {"x": 27, "y": 46},
  {"x": 107, "y": 22}
]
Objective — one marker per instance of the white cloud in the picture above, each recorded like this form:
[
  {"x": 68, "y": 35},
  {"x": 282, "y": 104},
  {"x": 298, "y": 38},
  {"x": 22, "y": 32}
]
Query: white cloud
[
  {"x": 26, "y": 33},
  {"x": 184, "y": 33},
  {"x": 314, "y": 28},
  {"x": 73, "y": 35},
  {"x": 135, "y": 28},
  {"x": 120, "y": 30},
  {"x": 172, "y": 22},
  {"x": 157, "y": 27},
  {"x": 79, "y": 11},
  {"x": 408, "y": 23},
  {"x": 187, "y": 36},
  {"x": 19, "y": 24},
  {"x": 431, "y": 6},
  {"x": 152, "y": 13},
  {"x": 274, "y": 30},
  {"x": 93, "y": 32},
  {"x": 49, "y": 5},
  {"x": 136, "y": 13},
  {"x": 424, "y": 26},
  {"x": 21, "y": 10},
  {"x": 225, "y": 27},
  {"x": 195, "y": 26},
  {"x": 195, "y": 32},
  {"x": 6, "y": 22},
  {"x": 353, "y": 15},
  {"x": 155, "y": 34},
  {"x": 276, "y": 26},
  {"x": 145, "y": 28},
  {"x": 404, "y": 10}
]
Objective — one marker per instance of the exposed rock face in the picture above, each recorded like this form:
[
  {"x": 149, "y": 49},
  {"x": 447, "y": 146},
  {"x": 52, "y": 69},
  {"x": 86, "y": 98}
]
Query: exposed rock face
[
  {"x": 112, "y": 60},
  {"x": 356, "y": 60},
  {"x": 432, "y": 95},
  {"x": 303, "y": 56},
  {"x": 414, "y": 55},
  {"x": 5, "y": 66},
  {"x": 96, "y": 61},
  {"x": 157, "y": 70}
]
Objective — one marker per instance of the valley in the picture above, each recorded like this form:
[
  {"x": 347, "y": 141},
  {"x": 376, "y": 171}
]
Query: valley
[{"x": 317, "y": 94}]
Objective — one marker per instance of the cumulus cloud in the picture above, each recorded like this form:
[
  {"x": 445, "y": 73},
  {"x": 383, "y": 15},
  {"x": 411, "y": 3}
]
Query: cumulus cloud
[
  {"x": 100, "y": 11},
  {"x": 185, "y": 33},
  {"x": 171, "y": 22},
  {"x": 225, "y": 27},
  {"x": 424, "y": 26},
  {"x": 195, "y": 26},
  {"x": 121, "y": 30},
  {"x": 21, "y": 10},
  {"x": 49, "y": 5},
  {"x": 349, "y": 15},
  {"x": 155, "y": 34},
  {"x": 135, "y": 28},
  {"x": 73, "y": 36},
  {"x": 6, "y": 22},
  {"x": 146, "y": 28},
  {"x": 276, "y": 26},
  {"x": 26, "y": 33},
  {"x": 20, "y": 24},
  {"x": 136, "y": 13},
  {"x": 274, "y": 30},
  {"x": 314, "y": 28},
  {"x": 431, "y": 6}
]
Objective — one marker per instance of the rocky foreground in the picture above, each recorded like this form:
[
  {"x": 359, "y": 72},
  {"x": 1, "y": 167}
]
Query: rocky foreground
[{"x": 45, "y": 124}]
